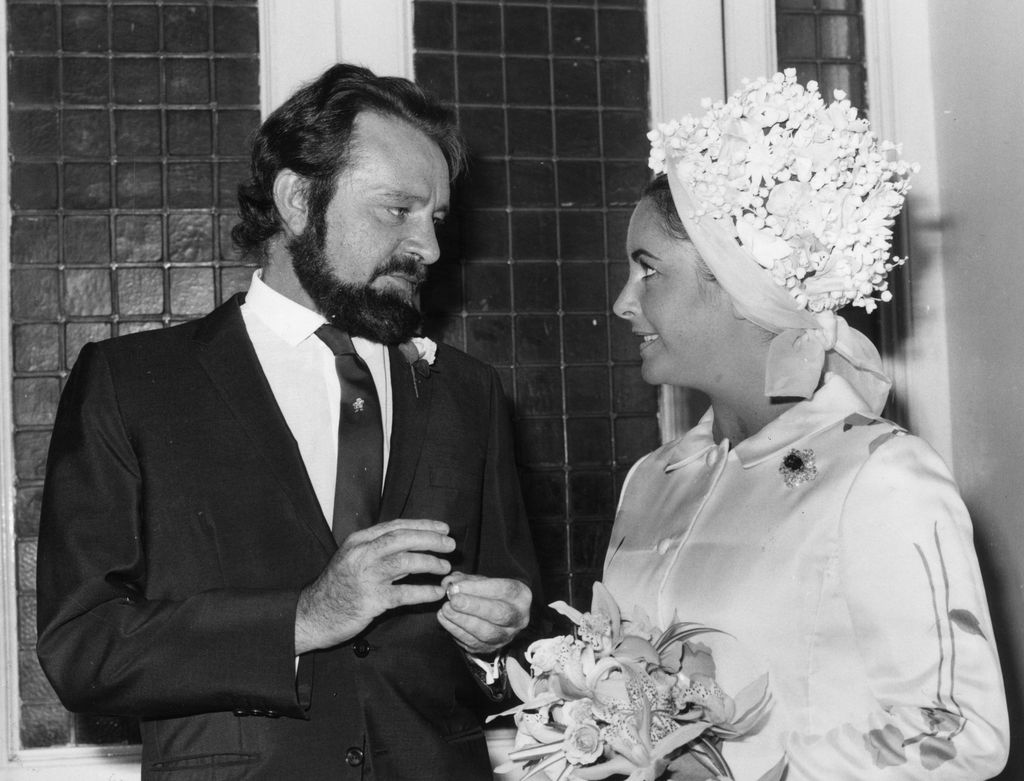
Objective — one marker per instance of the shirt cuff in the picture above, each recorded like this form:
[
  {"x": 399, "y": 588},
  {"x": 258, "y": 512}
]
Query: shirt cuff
[{"x": 492, "y": 670}]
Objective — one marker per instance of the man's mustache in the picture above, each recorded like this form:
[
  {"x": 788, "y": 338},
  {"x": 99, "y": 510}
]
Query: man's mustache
[{"x": 402, "y": 265}]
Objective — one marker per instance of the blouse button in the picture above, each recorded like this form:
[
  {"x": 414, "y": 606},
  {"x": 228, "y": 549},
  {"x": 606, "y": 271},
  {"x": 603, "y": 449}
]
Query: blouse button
[
  {"x": 712, "y": 457},
  {"x": 664, "y": 545}
]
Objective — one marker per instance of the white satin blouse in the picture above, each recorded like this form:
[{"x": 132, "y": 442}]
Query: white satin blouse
[{"x": 835, "y": 552}]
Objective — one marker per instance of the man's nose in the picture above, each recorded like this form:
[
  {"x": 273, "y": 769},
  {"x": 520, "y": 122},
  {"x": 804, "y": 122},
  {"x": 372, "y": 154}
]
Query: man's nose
[{"x": 424, "y": 244}]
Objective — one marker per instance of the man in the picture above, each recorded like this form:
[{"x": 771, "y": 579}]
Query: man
[{"x": 188, "y": 573}]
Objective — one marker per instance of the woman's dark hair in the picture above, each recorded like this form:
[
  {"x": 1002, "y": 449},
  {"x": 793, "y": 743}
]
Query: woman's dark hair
[
  {"x": 659, "y": 194},
  {"x": 310, "y": 134}
]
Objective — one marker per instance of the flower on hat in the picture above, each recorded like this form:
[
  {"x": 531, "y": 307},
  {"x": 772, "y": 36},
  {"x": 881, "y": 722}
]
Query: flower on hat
[{"x": 808, "y": 190}]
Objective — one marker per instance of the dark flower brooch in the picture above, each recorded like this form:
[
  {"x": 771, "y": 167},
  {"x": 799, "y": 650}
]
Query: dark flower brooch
[{"x": 798, "y": 467}]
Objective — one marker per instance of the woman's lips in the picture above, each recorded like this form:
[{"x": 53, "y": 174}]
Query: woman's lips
[{"x": 647, "y": 340}]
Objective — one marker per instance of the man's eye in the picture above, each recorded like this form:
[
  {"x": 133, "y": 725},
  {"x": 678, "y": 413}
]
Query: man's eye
[{"x": 398, "y": 211}]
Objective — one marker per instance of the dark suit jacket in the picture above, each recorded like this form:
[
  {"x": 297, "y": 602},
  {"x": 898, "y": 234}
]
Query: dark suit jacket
[{"x": 179, "y": 525}]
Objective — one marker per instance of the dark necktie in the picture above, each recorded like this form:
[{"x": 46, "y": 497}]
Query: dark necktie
[{"x": 360, "y": 439}]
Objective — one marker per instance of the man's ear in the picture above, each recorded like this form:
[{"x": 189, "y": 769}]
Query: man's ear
[{"x": 290, "y": 198}]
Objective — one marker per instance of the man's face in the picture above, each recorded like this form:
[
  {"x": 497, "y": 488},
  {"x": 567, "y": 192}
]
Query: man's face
[{"x": 363, "y": 270}]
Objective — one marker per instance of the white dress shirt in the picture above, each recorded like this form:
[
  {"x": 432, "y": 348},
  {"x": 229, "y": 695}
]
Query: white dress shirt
[{"x": 301, "y": 371}]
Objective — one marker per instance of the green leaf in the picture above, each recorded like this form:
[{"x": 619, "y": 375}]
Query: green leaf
[
  {"x": 534, "y": 752},
  {"x": 776, "y": 773},
  {"x": 520, "y": 680},
  {"x": 966, "y": 620},
  {"x": 751, "y": 704},
  {"x": 680, "y": 738},
  {"x": 542, "y": 766},
  {"x": 617, "y": 765},
  {"x": 603, "y": 602}
]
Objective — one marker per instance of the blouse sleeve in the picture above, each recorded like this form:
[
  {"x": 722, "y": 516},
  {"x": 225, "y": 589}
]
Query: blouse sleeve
[{"x": 917, "y": 604}]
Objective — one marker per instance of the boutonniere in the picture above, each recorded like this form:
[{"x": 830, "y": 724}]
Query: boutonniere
[
  {"x": 798, "y": 467},
  {"x": 420, "y": 352}
]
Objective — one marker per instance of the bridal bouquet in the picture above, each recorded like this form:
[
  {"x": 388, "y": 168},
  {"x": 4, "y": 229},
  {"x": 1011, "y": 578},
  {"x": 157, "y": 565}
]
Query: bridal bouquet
[{"x": 620, "y": 696}]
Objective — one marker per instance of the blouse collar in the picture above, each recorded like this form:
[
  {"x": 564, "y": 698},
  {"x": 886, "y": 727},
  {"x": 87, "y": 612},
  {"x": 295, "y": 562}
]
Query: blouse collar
[{"x": 834, "y": 401}]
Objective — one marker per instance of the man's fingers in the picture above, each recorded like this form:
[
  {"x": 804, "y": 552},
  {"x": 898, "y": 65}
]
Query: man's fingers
[
  {"x": 503, "y": 589},
  {"x": 414, "y": 595},
  {"x": 411, "y": 563},
  {"x": 455, "y": 577},
  {"x": 399, "y": 524},
  {"x": 398, "y": 541},
  {"x": 490, "y": 610},
  {"x": 454, "y": 624}
]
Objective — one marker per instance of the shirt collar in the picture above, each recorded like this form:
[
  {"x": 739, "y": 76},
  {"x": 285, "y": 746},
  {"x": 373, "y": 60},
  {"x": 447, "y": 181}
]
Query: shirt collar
[
  {"x": 293, "y": 323},
  {"x": 693, "y": 444},
  {"x": 290, "y": 321},
  {"x": 834, "y": 401}
]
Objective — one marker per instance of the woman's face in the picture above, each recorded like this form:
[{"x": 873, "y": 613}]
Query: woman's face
[{"x": 684, "y": 323}]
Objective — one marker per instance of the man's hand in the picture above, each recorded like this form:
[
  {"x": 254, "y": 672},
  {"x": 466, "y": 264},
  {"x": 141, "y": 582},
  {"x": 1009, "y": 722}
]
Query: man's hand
[
  {"x": 358, "y": 583},
  {"x": 484, "y": 614}
]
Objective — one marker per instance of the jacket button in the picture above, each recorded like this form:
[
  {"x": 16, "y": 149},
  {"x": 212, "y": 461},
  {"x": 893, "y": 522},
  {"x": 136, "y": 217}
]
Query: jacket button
[
  {"x": 361, "y": 648},
  {"x": 354, "y": 756}
]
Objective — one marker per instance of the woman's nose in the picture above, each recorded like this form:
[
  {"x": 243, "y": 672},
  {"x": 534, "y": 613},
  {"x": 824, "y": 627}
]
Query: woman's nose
[{"x": 625, "y": 305}]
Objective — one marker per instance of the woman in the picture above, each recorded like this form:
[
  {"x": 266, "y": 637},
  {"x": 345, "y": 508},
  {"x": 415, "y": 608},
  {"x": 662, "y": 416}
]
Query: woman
[{"x": 830, "y": 547}]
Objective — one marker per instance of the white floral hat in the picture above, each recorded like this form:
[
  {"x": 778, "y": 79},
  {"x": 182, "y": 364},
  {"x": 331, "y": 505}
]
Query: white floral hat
[{"x": 791, "y": 204}]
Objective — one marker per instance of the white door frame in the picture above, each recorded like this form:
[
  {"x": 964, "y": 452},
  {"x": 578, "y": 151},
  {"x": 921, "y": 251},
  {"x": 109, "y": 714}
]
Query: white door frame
[{"x": 295, "y": 47}]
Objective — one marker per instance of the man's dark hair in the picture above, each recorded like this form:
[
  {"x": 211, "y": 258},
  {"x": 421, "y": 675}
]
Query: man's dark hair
[{"x": 310, "y": 134}]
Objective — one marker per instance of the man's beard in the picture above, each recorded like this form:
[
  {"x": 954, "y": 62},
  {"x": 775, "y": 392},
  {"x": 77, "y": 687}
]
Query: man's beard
[{"x": 379, "y": 315}]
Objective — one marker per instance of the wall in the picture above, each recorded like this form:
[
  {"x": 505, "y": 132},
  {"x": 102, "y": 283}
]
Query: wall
[
  {"x": 552, "y": 97},
  {"x": 979, "y": 110}
]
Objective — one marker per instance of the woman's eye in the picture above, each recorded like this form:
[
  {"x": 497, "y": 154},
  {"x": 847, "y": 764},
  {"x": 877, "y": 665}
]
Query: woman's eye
[{"x": 646, "y": 271}]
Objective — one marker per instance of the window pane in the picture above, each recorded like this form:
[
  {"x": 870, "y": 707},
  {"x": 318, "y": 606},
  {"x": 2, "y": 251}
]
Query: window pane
[
  {"x": 95, "y": 221},
  {"x": 840, "y": 37},
  {"x": 797, "y": 38}
]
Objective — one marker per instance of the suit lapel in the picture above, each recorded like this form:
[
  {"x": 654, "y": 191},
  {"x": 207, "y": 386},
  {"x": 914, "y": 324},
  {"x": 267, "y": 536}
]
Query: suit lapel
[
  {"x": 410, "y": 401},
  {"x": 226, "y": 353}
]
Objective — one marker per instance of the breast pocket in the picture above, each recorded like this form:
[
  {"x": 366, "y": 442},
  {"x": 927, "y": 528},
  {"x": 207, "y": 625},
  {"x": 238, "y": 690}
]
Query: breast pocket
[{"x": 449, "y": 494}]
